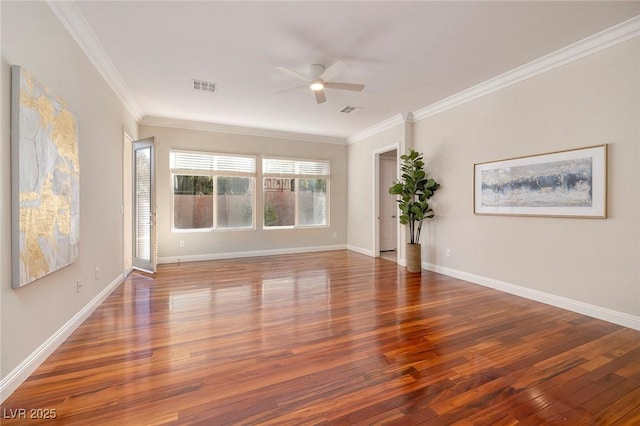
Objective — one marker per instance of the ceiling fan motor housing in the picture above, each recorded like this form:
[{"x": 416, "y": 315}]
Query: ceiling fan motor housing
[{"x": 315, "y": 71}]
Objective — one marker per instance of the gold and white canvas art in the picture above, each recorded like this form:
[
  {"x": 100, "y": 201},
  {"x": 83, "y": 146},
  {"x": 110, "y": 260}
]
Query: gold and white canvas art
[{"x": 45, "y": 180}]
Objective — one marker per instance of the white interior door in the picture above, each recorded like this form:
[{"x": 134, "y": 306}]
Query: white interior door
[
  {"x": 144, "y": 206},
  {"x": 388, "y": 205}
]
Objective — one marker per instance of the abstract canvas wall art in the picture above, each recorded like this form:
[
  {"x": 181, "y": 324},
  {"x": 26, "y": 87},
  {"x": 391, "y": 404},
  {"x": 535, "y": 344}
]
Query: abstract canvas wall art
[
  {"x": 566, "y": 183},
  {"x": 45, "y": 176}
]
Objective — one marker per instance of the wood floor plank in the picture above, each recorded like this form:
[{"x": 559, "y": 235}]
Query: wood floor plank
[{"x": 330, "y": 338}]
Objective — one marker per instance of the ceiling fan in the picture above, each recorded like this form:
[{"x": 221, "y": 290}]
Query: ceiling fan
[{"x": 319, "y": 77}]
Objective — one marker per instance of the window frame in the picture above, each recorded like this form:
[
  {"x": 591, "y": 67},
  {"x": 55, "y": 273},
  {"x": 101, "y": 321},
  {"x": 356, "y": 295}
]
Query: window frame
[
  {"x": 297, "y": 177},
  {"x": 214, "y": 174}
]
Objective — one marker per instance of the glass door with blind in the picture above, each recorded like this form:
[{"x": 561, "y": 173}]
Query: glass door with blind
[{"x": 144, "y": 206}]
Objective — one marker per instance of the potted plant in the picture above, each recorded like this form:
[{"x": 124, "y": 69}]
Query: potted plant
[{"x": 414, "y": 190}]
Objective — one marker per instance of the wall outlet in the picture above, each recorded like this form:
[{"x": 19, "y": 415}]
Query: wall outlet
[
  {"x": 97, "y": 272},
  {"x": 181, "y": 243},
  {"x": 448, "y": 252},
  {"x": 78, "y": 286},
  {"x": 335, "y": 235}
]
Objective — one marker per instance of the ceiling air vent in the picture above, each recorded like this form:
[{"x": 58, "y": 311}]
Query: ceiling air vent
[
  {"x": 205, "y": 86},
  {"x": 350, "y": 109}
]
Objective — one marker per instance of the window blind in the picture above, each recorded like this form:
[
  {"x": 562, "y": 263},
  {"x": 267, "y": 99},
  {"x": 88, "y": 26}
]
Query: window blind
[
  {"x": 279, "y": 167},
  {"x": 182, "y": 162}
]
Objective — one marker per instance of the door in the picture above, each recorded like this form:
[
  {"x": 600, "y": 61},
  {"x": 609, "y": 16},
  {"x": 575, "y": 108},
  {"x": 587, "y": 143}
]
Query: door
[
  {"x": 144, "y": 206},
  {"x": 388, "y": 205}
]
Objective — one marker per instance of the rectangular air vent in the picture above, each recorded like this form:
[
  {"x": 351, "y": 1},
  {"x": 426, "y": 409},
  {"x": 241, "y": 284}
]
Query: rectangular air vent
[
  {"x": 350, "y": 109},
  {"x": 205, "y": 86}
]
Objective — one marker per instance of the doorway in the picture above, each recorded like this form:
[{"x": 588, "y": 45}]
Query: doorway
[{"x": 386, "y": 210}]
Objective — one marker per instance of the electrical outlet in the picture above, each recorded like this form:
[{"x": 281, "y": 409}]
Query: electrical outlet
[
  {"x": 97, "y": 272},
  {"x": 448, "y": 252},
  {"x": 181, "y": 243},
  {"x": 335, "y": 235},
  {"x": 78, "y": 286}
]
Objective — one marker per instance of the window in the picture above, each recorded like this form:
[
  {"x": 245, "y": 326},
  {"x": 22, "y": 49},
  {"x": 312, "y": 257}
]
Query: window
[
  {"x": 295, "y": 192},
  {"x": 192, "y": 202},
  {"x": 212, "y": 191}
]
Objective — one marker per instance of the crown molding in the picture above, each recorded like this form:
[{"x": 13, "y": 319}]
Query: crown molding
[
  {"x": 238, "y": 130},
  {"x": 377, "y": 128},
  {"x": 76, "y": 25},
  {"x": 607, "y": 38},
  {"x": 74, "y": 22}
]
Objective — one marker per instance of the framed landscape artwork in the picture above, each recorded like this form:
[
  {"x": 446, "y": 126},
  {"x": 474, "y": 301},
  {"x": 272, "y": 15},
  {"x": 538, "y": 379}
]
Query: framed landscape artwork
[
  {"x": 569, "y": 183},
  {"x": 45, "y": 179}
]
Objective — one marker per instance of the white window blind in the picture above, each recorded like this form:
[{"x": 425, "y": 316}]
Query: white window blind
[
  {"x": 278, "y": 167},
  {"x": 182, "y": 162}
]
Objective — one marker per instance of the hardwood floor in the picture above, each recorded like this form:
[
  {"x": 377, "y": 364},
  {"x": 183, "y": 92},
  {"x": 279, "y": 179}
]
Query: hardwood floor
[{"x": 331, "y": 338}]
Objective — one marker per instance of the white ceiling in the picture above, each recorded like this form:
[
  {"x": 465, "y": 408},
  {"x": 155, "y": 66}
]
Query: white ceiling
[{"x": 408, "y": 54}]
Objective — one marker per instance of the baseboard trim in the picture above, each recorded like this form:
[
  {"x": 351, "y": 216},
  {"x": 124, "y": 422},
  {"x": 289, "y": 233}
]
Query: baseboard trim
[
  {"x": 19, "y": 374},
  {"x": 250, "y": 253},
  {"x": 605, "y": 314},
  {"x": 370, "y": 253},
  {"x": 361, "y": 250}
]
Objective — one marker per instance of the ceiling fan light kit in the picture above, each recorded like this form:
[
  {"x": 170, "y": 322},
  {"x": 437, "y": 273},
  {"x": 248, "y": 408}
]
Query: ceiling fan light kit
[
  {"x": 319, "y": 77},
  {"x": 317, "y": 85}
]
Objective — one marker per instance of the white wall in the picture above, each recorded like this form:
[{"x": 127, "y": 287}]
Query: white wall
[
  {"x": 591, "y": 101},
  {"x": 223, "y": 243},
  {"x": 591, "y": 265},
  {"x": 361, "y": 186},
  {"x": 33, "y": 38}
]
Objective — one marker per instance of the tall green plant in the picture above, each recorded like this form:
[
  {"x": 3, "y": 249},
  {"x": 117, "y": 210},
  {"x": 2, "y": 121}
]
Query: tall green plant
[{"x": 414, "y": 189}]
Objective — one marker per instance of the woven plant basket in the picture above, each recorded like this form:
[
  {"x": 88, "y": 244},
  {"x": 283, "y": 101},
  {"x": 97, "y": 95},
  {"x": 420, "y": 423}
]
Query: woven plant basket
[{"x": 414, "y": 258}]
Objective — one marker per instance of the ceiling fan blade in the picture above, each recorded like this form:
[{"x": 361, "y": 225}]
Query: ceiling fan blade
[
  {"x": 333, "y": 70},
  {"x": 344, "y": 86},
  {"x": 320, "y": 97},
  {"x": 294, "y": 74},
  {"x": 290, "y": 89}
]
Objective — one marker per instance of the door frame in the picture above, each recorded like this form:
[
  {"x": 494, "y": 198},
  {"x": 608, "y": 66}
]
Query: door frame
[
  {"x": 127, "y": 200},
  {"x": 153, "y": 258},
  {"x": 376, "y": 198}
]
